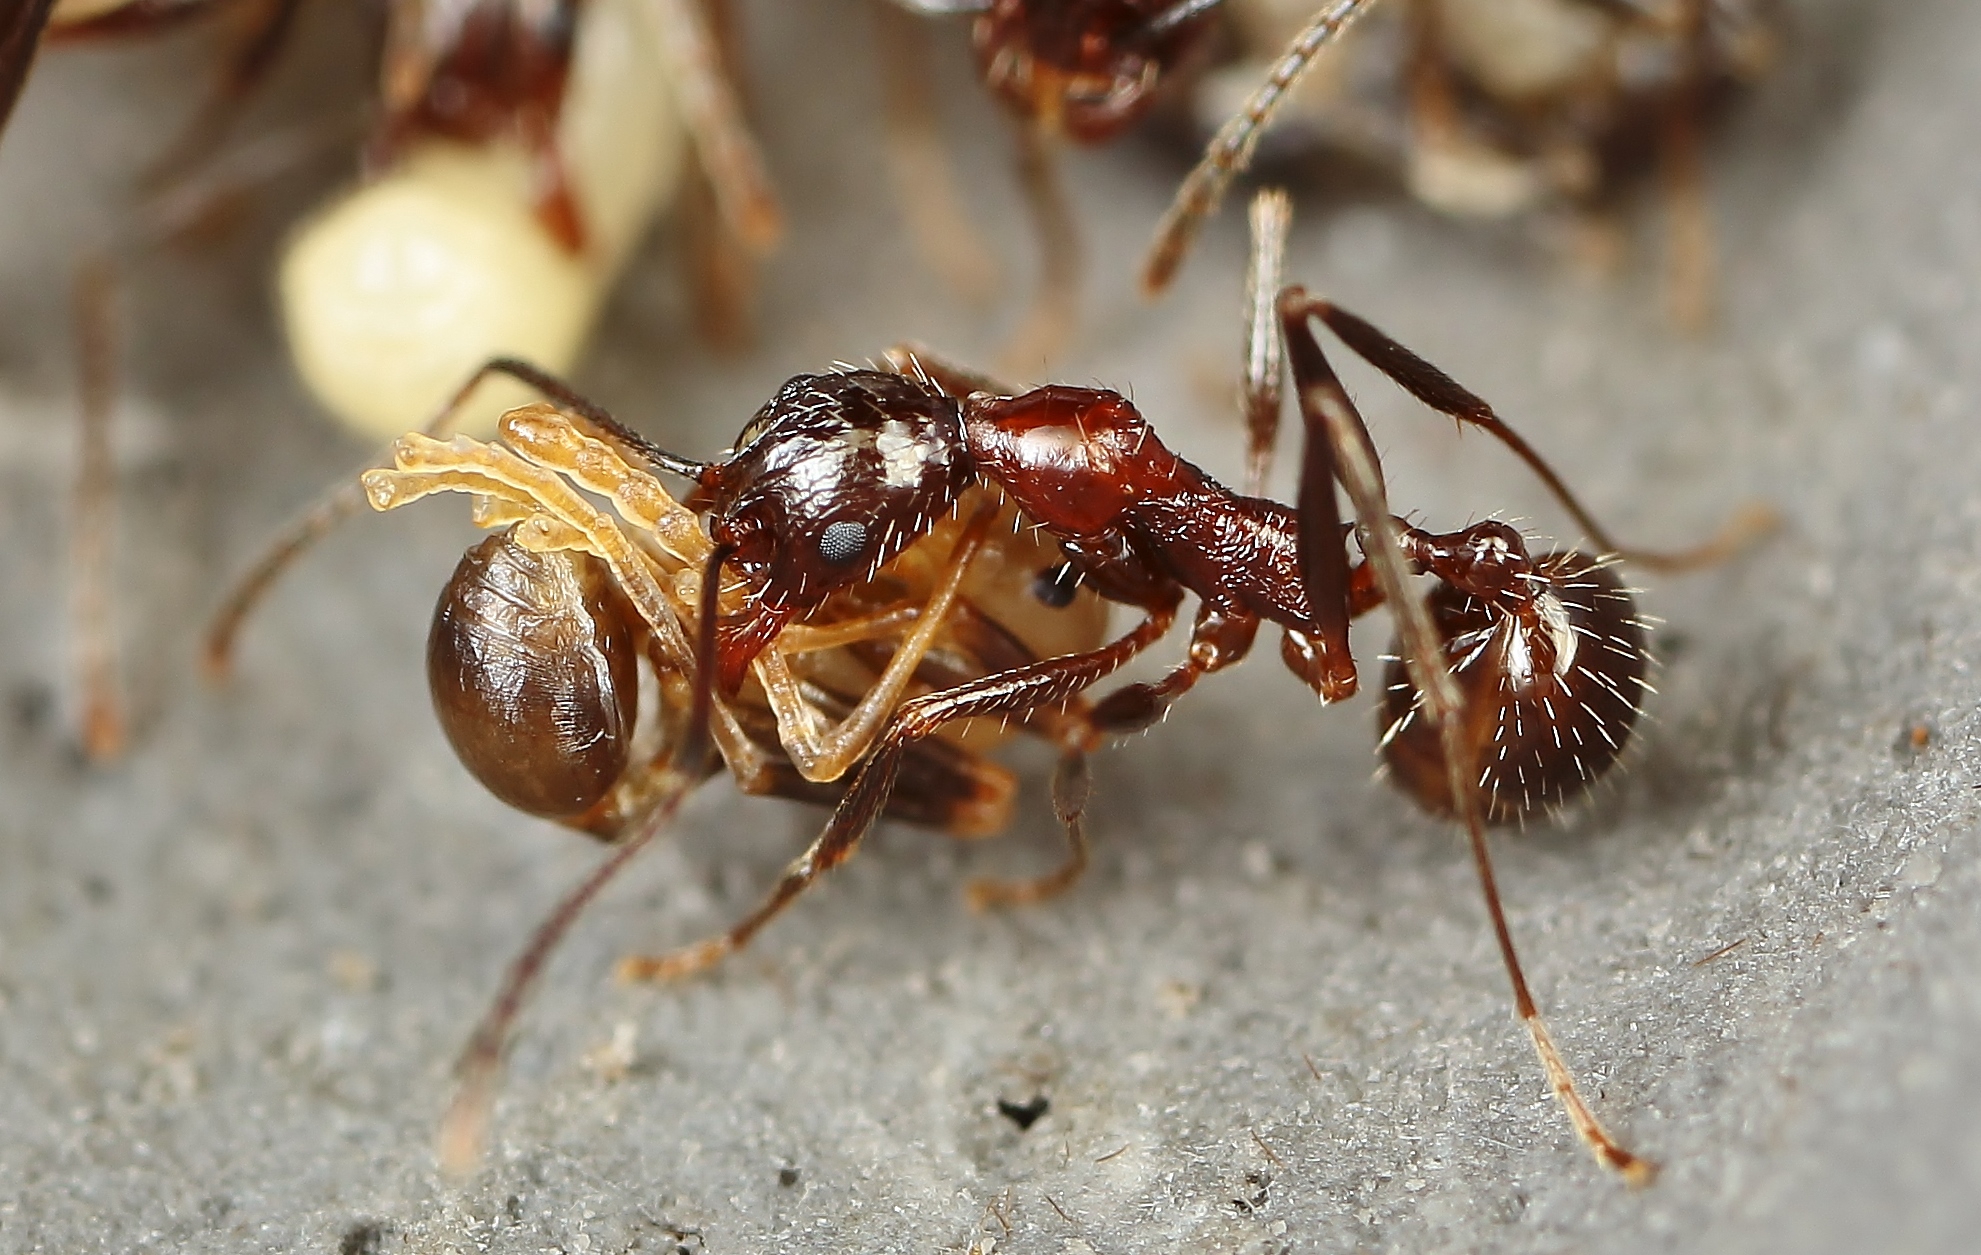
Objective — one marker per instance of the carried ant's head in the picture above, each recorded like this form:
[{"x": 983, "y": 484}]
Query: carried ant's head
[
  {"x": 832, "y": 479},
  {"x": 1087, "y": 67}
]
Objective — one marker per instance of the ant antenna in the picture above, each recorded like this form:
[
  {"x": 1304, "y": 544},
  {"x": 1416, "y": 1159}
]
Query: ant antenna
[
  {"x": 1172, "y": 17},
  {"x": 694, "y": 747},
  {"x": 1230, "y": 152}
]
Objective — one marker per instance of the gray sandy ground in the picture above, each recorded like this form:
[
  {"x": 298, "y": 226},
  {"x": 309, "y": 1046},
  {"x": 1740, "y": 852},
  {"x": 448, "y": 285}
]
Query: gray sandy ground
[{"x": 235, "y": 966}]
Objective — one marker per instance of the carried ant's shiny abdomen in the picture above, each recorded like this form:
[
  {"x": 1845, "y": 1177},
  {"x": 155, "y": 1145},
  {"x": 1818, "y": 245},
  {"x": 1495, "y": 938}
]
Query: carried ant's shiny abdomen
[
  {"x": 533, "y": 666},
  {"x": 1551, "y": 694}
]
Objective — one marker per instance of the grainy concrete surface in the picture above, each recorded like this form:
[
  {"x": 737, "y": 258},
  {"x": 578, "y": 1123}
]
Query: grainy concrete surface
[{"x": 235, "y": 966}]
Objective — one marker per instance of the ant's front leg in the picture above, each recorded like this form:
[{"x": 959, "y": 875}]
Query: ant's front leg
[{"x": 1042, "y": 684}]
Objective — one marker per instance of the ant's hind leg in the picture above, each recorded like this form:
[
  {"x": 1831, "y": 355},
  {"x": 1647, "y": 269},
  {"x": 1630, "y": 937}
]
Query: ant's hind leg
[
  {"x": 1330, "y": 419},
  {"x": 1447, "y": 396},
  {"x": 1072, "y": 784}
]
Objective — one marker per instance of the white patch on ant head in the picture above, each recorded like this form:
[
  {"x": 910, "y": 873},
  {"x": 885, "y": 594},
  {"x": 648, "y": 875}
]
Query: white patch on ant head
[{"x": 902, "y": 456}]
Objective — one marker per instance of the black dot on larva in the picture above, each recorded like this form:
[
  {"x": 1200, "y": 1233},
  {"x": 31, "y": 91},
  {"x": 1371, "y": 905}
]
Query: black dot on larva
[{"x": 843, "y": 542}]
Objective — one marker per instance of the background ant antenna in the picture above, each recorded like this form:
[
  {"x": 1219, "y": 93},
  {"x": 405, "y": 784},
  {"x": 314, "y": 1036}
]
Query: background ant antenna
[
  {"x": 1231, "y": 150},
  {"x": 1325, "y": 403}
]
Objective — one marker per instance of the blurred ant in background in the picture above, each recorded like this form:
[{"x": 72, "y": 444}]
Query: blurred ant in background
[
  {"x": 519, "y": 154},
  {"x": 1490, "y": 108},
  {"x": 1517, "y": 682},
  {"x": 1487, "y": 107}
]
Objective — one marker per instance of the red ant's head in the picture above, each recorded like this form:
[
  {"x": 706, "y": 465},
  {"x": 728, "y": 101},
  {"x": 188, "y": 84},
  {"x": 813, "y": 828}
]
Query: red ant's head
[{"x": 832, "y": 479}]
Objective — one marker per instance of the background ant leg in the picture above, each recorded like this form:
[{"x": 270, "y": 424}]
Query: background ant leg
[
  {"x": 1442, "y": 393},
  {"x": 1265, "y": 359},
  {"x": 691, "y": 48},
  {"x": 255, "y": 55},
  {"x": 924, "y": 176},
  {"x": 1330, "y": 417},
  {"x": 102, "y": 722},
  {"x": 1689, "y": 263},
  {"x": 1051, "y": 321},
  {"x": 1230, "y": 151},
  {"x": 19, "y": 36},
  {"x": 1009, "y": 692}
]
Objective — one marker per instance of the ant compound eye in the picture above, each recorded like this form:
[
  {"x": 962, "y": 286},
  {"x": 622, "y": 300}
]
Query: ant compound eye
[{"x": 843, "y": 542}]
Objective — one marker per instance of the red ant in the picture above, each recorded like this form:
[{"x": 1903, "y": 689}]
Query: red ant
[{"x": 1518, "y": 681}]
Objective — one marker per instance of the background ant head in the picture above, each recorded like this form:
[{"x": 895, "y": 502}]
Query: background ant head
[
  {"x": 834, "y": 477},
  {"x": 1089, "y": 68}
]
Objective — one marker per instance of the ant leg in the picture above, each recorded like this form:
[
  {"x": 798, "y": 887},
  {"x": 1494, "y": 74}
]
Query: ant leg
[
  {"x": 1330, "y": 418},
  {"x": 827, "y": 755},
  {"x": 1054, "y": 315},
  {"x": 20, "y": 34},
  {"x": 261, "y": 43},
  {"x": 1072, "y": 784},
  {"x": 464, "y": 1129},
  {"x": 102, "y": 719},
  {"x": 1009, "y": 692},
  {"x": 691, "y": 51},
  {"x": 1442, "y": 393},
  {"x": 1689, "y": 264},
  {"x": 1231, "y": 150},
  {"x": 924, "y": 177},
  {"x": 1217, "y": 640},
  {"x": 344, "y": 500},
  {"x": 1265, "y": 359}
]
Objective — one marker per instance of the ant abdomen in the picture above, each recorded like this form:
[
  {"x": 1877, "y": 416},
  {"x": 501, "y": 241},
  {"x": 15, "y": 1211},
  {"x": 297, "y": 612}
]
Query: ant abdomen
[
  {"x": 533, "y": 666},
  {"x": 1552, "y": 690}
]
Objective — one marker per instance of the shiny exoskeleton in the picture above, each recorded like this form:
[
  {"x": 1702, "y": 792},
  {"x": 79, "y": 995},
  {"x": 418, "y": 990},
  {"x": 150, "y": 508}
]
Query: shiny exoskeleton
[{"x": 1089, "y": 68}]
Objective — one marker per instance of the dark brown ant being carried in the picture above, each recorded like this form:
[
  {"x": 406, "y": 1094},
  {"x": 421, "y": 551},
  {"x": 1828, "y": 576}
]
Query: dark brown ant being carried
[{"x": 1519, "y": 680}]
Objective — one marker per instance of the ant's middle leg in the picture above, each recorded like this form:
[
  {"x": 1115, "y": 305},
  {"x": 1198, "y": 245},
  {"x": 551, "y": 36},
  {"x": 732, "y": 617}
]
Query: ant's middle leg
[{"x": 1010, "y": 692}]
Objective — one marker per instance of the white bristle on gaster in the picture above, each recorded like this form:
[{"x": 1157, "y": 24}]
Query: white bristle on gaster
[{"x": 396, "y": 292}]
